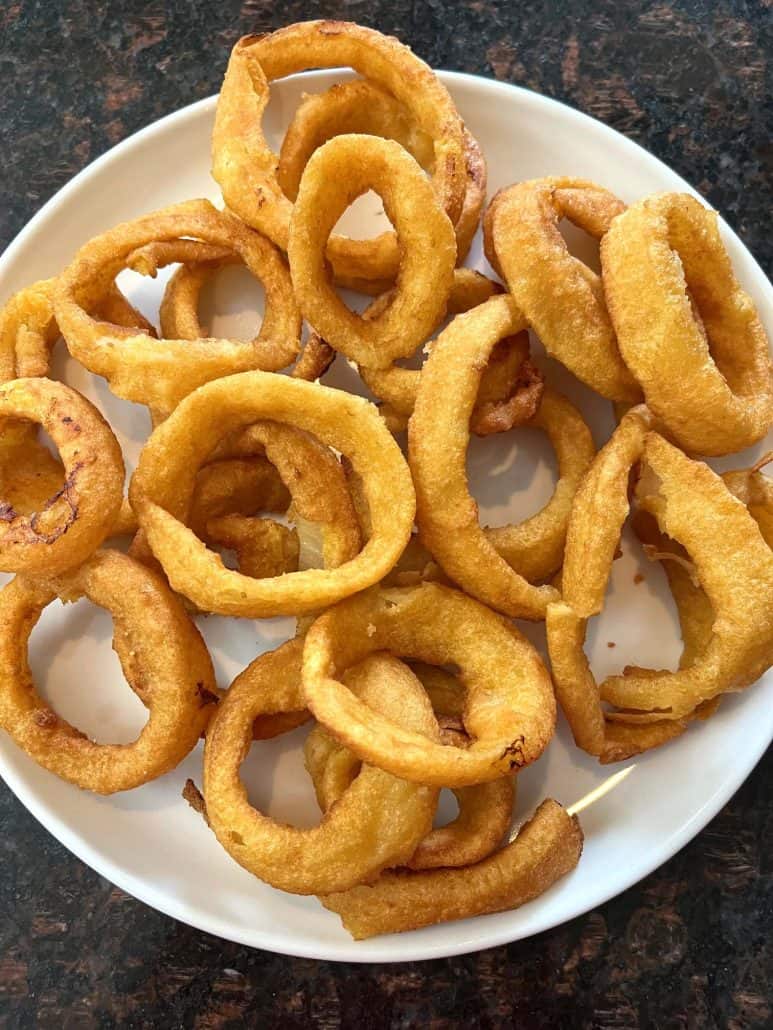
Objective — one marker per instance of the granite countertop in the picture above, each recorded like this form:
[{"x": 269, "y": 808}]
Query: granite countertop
[{"x": 690, "y": 945}]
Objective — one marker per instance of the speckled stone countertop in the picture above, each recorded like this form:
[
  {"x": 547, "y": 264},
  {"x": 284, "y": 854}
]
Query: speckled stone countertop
[{"x": 690, "y": 946}]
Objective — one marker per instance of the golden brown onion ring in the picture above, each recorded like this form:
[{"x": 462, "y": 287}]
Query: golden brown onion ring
[
  {"x": 509, "y": 712},
  {"x": 547, "y": 847},
  {"x": 692, "y": 506},
  {"x": 377, "y": 822},
  {"x": 485, "y": 810},
  {"x": 180, "y": 319},
  {"x": 506, "y": 397},
  {"x": 29, "y": 473},
  {"x": 162, "y": 656},
  {"x": 686, "y": 329},
  {"x": 337, "y": 173},
  {"x": 562, "y": 298},
  {"x": 365, "y": 108},
  {"x": 245, "y": 166},
  {"x": 160, "y": 372},
  {"x": 447, "y": 515},
  {"x": 163, "y": 483},
  {"x": 75, "y": 520}
]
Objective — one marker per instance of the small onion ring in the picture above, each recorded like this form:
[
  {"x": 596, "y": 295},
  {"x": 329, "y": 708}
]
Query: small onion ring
[
  {"x": 546, "y": 848},
  {"x": 160, "y": 372},
  {"x": 509, "y": 711},
  {"x": 363, "y": 107},
  {"x": 562, "y": 298},
  {"x": 686, "y": 329},
  {"x": 376, "y": 823},
  {"x": 427, "y": 248},
  {"x": 163, "y": 483},
  {"x": 179, "y": 317},
  {"x": 75, "y": 520},
  {"x": 163, "y": 658},
  {"x": 438, "y": 436},
  {"x": 245, "y": 166}
]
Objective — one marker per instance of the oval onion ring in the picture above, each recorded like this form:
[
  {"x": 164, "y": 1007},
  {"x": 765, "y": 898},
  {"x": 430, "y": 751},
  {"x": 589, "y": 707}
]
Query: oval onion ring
[
  {"x": 160, "y": 372},
  {"x": 686, "y": 329},
  {"x": 163, "y": 484},
  {"x": 363, "y": 107},
  {"x": 438, "y": 436},
  {"x": 377, "y": 822},
  {"x": 427, "y": 248},
  {"x": 179, "y": 316},
  {"x": 162, "y": 656},
  {"x": 245, "y": 166},
  {"x": 509, "y": 711},
  {"x": 693, "y": 507},
  {"x": 547, "y": 847},
  {"x": 562, "y": 298},
  {"x": 75, "y": 520}
]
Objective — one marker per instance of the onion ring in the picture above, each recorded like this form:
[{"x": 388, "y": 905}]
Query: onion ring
[
  {"x": 163, "y": 483},
  {"x": 427, "y": 248},
  {"x": 694, "y": 506},
  {"x": 510, "y": 709},
  {"x": 447, "y": 515},
  {"x": 377, "y": 822},
  {"x": 363, "y": 107},
  {"x": 562, "y": 298},
  {"x": 163, "y": 658},
  {"x": 691, "y": 505},
  {"x": 245, "y": 166},
  {"x": 29, "y": 473},
  {"x": 75, "y": 520},
  {"x": 485, "y": 810},
  {"x": 160, "y": 372},
  {"x": 179, "y": 317},
  {"x": 686, "y": 329},
  {"x": 547, "y": 847},
  {"x": 506, "y": 396}
]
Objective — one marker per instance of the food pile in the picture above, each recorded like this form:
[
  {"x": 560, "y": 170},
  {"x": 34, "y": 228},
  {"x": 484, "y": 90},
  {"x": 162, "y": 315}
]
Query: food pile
[{"x": 406, "y": 655}]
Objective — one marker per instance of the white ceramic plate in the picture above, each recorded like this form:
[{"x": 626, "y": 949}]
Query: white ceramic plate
[{"x": 148, "y": 841}]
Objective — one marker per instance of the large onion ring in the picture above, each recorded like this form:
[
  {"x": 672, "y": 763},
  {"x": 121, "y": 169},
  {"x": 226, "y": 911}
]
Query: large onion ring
[
  {"x": 160, "y": 372},
  {"x": 562, "y": 298},
  {"x": 163, "y": 658},
  {"x": 245, "y": 166},
  {"x": 427, "y": 248},
  {"x": 163, "y": 483},
  {"x": 363, "y": 107},
  {"x": 509, "y": 711},
  {"x": 686, "y": 329},
  {"x": 547, "y": 847},
  {"x": 438, "y": 437},
  {"x": 75, "y": 520},
  {"x": 376, "y": 823}
]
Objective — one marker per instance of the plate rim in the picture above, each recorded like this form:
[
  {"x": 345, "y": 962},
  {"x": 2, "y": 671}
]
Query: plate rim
[{"x": 347, "y": 951}]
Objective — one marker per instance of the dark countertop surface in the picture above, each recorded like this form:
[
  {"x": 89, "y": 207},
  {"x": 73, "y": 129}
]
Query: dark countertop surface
[{"x": 689, "y": 946}]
